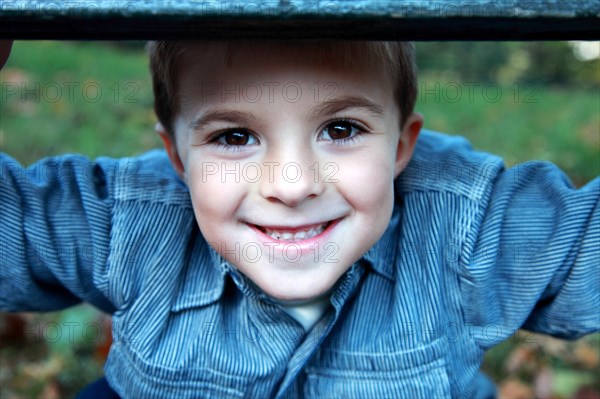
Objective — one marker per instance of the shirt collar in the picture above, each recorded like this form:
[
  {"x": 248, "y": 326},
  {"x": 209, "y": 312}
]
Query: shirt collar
[
  {"x": 382, "y": 255},
  {"x": 203, "y": 280}
]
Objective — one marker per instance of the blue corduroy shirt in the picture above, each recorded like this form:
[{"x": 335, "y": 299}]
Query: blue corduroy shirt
[{"x": 473, "y": 252}]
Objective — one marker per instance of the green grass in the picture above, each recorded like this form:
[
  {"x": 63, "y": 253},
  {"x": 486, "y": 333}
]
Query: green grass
[
  {"x": 75, "y": 97},
  {"x": 523, "y": 122}
]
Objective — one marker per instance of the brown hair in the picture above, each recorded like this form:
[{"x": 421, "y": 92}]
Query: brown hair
[{"x": 397, "y": 58}]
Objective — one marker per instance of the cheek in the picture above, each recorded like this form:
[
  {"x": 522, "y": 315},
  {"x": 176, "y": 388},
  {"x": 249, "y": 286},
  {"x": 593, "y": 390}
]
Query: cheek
[
  {"x": 214, "y": 201},
  {"x": 367, "y": 183}
]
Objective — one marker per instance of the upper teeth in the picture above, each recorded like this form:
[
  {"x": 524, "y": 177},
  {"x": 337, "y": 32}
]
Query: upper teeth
[{"x": 295, "y": 236}]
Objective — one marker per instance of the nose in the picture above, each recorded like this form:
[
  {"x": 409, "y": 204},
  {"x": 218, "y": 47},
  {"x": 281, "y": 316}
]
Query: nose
[{"x": 291, "y": 179}]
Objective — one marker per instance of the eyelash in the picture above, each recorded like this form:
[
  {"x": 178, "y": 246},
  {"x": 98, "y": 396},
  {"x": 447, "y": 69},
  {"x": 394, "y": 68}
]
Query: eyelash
[
  {"x": 243, "y": 129},
  {"x": 227, "y": 147},
  {"x": 347, "y": 140}
]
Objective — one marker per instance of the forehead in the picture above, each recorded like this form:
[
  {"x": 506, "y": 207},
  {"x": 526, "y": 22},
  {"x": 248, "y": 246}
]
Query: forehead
[{"x": 226, "y": 60}]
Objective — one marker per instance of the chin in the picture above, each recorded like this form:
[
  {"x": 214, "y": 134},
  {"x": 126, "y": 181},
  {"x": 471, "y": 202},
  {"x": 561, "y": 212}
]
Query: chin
[{"x": 295, "y": 292}]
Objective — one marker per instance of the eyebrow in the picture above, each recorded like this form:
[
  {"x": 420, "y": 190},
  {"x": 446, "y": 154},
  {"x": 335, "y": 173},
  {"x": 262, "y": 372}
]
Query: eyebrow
[
  {"x": 336, "y": 105},
  {"x": 223, "y": 115},
  {"x": 322, "y": 110}
]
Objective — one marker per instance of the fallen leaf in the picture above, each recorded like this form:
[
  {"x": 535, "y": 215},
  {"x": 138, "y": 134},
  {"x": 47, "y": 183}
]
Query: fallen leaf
[{"x": 514, "y": 389}]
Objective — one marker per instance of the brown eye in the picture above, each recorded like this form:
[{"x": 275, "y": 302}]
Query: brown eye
[
  {"x": 236, "y": 138},
  {"x": 341, "y": 131}
]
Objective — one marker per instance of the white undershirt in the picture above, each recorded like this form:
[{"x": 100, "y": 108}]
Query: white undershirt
[{"x": 307, "y": 313}]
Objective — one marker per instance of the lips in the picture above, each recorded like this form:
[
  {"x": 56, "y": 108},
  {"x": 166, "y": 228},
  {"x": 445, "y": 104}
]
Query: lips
[{"x": 294, "y": 233}]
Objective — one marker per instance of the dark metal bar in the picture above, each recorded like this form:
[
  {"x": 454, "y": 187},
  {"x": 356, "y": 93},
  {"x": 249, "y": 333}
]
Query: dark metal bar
[{"x": 348, "y": 19}]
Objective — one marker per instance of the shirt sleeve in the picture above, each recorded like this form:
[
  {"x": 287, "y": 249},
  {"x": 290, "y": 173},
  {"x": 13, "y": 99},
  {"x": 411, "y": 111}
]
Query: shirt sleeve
[
  {"x": 56, "y": 224},
  {"x": 535, "y": 262}
]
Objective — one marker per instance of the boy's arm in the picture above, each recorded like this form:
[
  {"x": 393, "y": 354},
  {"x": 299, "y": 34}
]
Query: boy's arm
[
  {"x": 537, "y": 255},
  {"x": 55, "y": 218}
]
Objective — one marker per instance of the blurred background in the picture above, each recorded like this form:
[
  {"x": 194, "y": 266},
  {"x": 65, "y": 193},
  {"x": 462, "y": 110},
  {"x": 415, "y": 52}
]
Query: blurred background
[{"x": 521, "y": 100}]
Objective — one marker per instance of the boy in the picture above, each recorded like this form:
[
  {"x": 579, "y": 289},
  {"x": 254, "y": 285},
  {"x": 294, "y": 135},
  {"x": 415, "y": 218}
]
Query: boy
[{"x": 298, "y": 242}]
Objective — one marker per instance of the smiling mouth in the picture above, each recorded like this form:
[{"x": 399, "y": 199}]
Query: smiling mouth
[{"x": 294, "y": 233}]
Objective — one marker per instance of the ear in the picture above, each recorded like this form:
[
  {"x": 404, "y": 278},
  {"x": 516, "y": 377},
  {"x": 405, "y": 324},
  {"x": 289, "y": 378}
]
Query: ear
[
  {"x": 169, "y": 143},
  {"x": 407, "y": 142}
]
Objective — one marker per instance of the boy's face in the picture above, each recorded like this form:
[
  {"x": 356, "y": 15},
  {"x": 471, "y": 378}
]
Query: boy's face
[{"x": 290, "y": 162}]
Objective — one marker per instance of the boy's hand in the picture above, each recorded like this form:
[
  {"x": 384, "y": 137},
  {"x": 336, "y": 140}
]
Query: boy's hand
[{"x": 5, "y": 46}]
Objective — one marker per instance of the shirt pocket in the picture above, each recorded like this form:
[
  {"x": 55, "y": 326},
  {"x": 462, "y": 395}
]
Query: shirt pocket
[
  {"x": 416, "y": 373},
  {"x": 145, "y": 378}
]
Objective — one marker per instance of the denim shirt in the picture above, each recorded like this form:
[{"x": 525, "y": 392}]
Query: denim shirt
[{"x": 473, "y": 252}]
